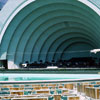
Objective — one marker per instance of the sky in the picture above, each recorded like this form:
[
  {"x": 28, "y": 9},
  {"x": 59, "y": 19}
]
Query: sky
[{"x": 2, "y": 2}]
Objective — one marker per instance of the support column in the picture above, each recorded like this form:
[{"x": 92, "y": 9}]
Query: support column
[{"x": 11, "y": 65}]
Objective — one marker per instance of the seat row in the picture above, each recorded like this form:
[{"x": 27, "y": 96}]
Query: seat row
[
  {"x": 91, "y": 90},
  {"x": 57, "y": 91}
]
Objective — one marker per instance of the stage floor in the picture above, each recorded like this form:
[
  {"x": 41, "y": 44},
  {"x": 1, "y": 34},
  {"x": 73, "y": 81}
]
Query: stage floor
[{"x": 53, "y": 71}]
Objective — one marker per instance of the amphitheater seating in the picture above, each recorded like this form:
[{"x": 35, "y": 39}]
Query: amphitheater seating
[
  {"x": 90, "y": 89},
  {"x": 31, "y": 98},
  {"x": 52, "y": 91}
]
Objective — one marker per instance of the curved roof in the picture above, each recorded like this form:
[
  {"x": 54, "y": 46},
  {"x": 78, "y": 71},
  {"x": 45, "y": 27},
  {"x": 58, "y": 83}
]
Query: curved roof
[{"x": 47, "y": 29}]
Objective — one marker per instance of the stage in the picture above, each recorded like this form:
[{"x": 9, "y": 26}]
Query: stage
[{"x": 53, "y": 71}]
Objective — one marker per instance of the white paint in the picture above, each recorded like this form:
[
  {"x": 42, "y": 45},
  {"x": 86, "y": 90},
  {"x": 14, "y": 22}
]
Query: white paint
[
  {"x": 52, "y": 67},
  {"x": 13, "y": 15},
  {"x": 11, "y": 65},
  {"x": 95, "y": 51}
]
